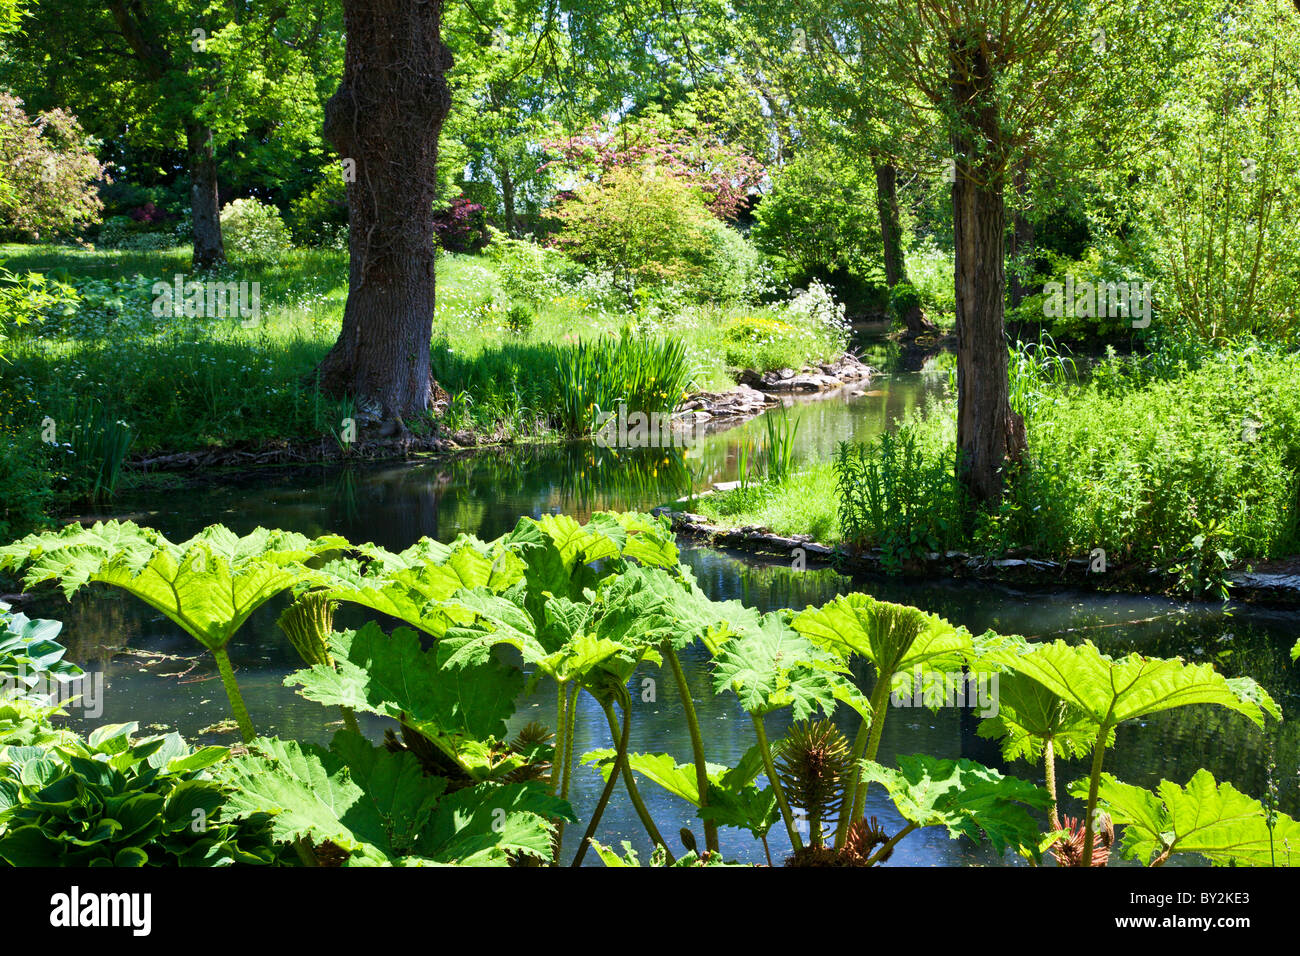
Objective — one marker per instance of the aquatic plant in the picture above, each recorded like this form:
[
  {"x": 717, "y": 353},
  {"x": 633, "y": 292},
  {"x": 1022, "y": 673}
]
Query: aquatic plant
[{"x": 207, "y": 585}]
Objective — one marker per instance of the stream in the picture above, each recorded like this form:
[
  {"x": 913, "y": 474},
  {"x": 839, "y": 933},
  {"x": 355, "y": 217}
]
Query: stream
[{"x": 152, "y": 672}]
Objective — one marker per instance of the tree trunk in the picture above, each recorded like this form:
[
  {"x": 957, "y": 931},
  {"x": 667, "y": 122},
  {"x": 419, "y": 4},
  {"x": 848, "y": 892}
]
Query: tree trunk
[
  {"x": 205, "y": 206},
  {"x": 1022, "y": 236},
  {"x": 891, "y": 228},
  {"x": 989, "y": 432},
  {"x": 386, "y": 115},
  {"x": 891, "y": 234},
  {"x": 508, "y": 199}
]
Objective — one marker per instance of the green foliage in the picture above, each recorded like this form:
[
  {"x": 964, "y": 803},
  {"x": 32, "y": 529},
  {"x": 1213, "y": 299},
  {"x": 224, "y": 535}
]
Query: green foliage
[
  {"x": 966, "y": 798},
  {"x": 647, "y": 375},
  {"x": 29, "y": 655},
  {"x": 207, "y": 585},
  {"x": 253, "y": 230},
  {"x": 1110, "y": 691},
  {"x": 821, "y": 218},
  {"x": 1219, "y": 194},
  {"x": 648, "y": 228},
  {"x": 48, "y": 171},
  {"x": 1184, "y": 463},
  {"x": 459, "y": 710},
  {"x": 771, "y": 667},
  {"x": 1208, "y": 819},
  {"x": 118, "y": 801},
  {"x": 32, "y": 297},
  {"x": 319, "y": 216},
  {"x": 1031, "y": 715},
  {"x": 583, "y": 606},
  {"x": 380, "y": 807},
  {"x": 898, "y": 495}
]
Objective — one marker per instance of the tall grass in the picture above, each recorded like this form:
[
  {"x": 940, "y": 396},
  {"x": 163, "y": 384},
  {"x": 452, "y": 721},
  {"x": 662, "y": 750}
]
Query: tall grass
[
  {"x": 99, "y": 444},
  {"x": 779, "y": 447},
  {"x": 897, "y": 496}
]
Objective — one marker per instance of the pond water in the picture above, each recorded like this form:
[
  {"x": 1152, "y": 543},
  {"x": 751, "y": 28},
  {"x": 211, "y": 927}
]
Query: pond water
[{"x": 153, "y": 674}]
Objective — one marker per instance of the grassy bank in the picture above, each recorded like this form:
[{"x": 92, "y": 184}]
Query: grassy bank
[
  {"x": 1189, "y": 463},
  {"x": 90, "y": 373}
]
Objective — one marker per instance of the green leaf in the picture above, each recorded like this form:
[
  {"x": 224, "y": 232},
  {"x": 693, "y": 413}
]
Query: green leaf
[
  {"x": 1030, "y": 714},
  {"x": 1215, "y": 821},
  {"x": 774, "y": 667},
  {"x": 456, "y": 708},
  {"x": 965, "y": 797},
  {"x": 317, "y": 794},
  {"x": 1111, "y": 691},
  {"x": 208, "y": 585},
  {"x": 893, "y": 637}
]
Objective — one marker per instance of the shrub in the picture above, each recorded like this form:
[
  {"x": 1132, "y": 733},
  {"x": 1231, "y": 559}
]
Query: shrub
[
  {"x": 903, "y": 297},
  {"x": 527, "y": 271},
  {"x": 646, "y": 227},
  {"x": 48, "y": 172},
  {"x": 821, "y": 219},
  {"x": 732, "y": 272},
  {"x": 929, "y": 270},
  {"x": 252, "y": 229},
  {"x": 319, "y": 217},
  {"x": 462, "y": 226}
]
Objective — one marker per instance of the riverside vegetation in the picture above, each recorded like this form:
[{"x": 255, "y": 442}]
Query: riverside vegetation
[
  {"x": 1185, "y": 460},
  {"x": 580, "y": 608},
  {"x": 530, "y": 345}
]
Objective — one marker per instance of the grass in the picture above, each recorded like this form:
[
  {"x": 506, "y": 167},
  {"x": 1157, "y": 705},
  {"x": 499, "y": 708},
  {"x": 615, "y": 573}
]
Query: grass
[
  {"x": 543, "y": 360},
  {"x": 1194, "y": 472},
  {"x": 803, "y": 503}
]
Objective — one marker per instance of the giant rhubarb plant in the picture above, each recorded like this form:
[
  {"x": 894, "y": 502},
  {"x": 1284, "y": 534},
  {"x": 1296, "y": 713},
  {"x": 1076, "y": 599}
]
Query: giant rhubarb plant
[
  {"x": 207, "y": 585},
  {"x": 1102, "y": 692},
  {"x": 1207, "y": 819},
  {"x": 894, "y": 639}
]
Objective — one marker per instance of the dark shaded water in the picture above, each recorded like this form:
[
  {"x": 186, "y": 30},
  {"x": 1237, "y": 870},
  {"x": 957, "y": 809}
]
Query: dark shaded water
[{"x": 154, "y": 675}]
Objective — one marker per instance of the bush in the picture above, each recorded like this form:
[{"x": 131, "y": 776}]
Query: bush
[
  {"x": 733, "y": 272},
  {"x": 461, "y": 227},
  {"x": 253, "y": 230},
  {"x": 319, "y": 217},
  {"x": 650, "y": 229},
  {"x": 48, "y": 172},
  {"x": 903, "y": 297},
  {"x": 821, "y": 219},
  {"x": 527, "y": 271}
]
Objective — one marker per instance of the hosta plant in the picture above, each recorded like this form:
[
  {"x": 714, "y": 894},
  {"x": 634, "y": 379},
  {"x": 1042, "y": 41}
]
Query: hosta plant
[
  {"x": 120, "y": 801},
  {"x": 29, "y": 656}
]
